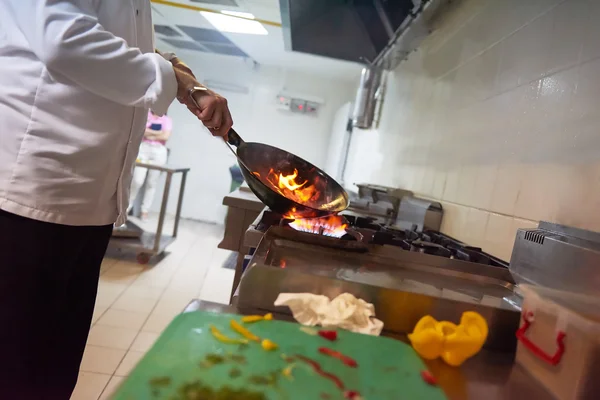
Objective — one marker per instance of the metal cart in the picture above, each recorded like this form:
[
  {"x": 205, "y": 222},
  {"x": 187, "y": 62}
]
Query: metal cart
[{"x": 148, "y": 244}]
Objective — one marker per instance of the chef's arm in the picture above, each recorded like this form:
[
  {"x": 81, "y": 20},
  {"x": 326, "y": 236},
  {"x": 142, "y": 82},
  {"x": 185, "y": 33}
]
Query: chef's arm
[
  {"x": 67, "y": 37},
  {"x": 177, "y": 63}
]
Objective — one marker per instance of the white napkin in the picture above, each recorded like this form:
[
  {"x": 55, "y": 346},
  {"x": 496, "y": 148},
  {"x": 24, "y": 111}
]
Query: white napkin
[{"x": 345, "y": 311}]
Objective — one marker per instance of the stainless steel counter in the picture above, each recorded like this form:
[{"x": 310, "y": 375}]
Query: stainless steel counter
[
  {"x": 489, "y": 375},
  {"x": 242, "y": 209}
]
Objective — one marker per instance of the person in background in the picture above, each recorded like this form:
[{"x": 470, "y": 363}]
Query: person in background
[
  {"x": 77, "y": 78},
  {"x": 153, "y": 150}
]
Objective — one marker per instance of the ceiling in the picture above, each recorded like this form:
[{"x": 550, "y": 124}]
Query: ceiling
[{"x": 188, "y": 31}]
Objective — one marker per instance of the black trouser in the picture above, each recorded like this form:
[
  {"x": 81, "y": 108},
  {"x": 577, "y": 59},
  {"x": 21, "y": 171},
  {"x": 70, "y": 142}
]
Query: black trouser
[{"x": 48, "y": 282}]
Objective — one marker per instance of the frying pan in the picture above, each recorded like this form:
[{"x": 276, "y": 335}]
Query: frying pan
[{"x": 261, "y": 163}]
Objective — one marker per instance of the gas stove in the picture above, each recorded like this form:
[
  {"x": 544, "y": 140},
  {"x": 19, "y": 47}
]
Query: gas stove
[
  {"x": 371, "y": 231},
  {"x": 405, "y": 273}
]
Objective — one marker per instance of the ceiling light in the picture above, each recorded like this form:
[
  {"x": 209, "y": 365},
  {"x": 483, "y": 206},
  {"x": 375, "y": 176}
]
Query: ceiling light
[
  {"x": 238, "y": 14},
  {"x": 227, "y": 23}
]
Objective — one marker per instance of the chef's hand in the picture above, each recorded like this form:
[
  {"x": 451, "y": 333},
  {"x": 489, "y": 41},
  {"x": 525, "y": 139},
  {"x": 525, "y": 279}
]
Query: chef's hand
[{"x": 209, "y": 107}]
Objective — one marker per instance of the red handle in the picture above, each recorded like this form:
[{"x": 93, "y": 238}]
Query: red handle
[{"x": 553, "y": 359}]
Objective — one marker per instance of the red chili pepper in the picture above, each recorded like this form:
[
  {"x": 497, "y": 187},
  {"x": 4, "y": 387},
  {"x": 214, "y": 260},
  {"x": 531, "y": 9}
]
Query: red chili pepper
[
  {"x": 329, "y": 335},
  {"x": 428, "y": 378},
  {"x": 317, "y": 367},
  {"x": 336, "y": 354},
  {"x": 352, "y": 395}
]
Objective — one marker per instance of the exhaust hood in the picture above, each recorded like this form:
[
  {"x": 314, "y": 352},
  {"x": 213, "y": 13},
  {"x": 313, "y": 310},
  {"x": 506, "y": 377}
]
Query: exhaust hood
[
  {"x": 377, "y": 33},
  {"x": 350, "y": 30}
]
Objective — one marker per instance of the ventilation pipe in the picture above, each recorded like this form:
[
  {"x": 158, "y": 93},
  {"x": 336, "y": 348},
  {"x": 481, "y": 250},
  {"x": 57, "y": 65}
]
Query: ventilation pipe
[{"x": 366, "y": 97}]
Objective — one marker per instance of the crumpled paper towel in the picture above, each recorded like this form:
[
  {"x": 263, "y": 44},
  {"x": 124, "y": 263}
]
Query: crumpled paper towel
[{"x": 345, "y": 311}]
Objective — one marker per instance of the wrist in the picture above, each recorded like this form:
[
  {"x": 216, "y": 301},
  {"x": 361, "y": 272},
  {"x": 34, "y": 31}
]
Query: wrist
[{"x": 168, "y": 56}]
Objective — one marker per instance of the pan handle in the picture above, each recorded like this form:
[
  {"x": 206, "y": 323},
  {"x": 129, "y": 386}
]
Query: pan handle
[{"x": 233, "y": 138}]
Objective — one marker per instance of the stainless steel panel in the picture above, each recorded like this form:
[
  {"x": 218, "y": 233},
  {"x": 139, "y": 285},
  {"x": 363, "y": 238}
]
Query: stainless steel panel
[
  {"x": 403, "y": 286},
  {"x": 558, "y": 257},
  {"x": 400, "y": 310}
]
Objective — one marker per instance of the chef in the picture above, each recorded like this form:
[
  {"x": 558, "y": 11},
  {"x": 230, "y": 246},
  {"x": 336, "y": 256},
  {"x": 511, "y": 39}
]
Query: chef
[{"x": 77, "y": 78}]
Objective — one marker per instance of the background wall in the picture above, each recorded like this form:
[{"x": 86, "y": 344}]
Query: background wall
[
  {"x": 256, "y": 118},
  {"x": 497, "y": 116}
]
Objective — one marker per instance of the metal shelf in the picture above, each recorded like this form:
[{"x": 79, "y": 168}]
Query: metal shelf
[{"x": 148, "y": 244}]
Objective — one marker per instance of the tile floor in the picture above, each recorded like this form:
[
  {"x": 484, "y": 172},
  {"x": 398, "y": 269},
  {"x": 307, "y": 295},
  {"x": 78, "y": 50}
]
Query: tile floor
[{"x": 135, "y": 303}]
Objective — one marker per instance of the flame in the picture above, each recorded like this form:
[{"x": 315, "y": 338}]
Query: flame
[
  {"x": 329, "y": 226},
  {"x": 286, "y": 185},
  {"x": 290, "y": 214},
  {"x": 289, "y": 181}
]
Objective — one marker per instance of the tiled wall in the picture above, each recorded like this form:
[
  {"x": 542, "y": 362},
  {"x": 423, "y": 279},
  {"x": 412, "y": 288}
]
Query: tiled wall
[{"x": 498, "y": 116}]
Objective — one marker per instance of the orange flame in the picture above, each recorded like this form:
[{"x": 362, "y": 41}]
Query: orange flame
[
  {"x": 290, "y": 214},
  {"x": 328, "y": 226},
  {"x": 286, "y": 185}
]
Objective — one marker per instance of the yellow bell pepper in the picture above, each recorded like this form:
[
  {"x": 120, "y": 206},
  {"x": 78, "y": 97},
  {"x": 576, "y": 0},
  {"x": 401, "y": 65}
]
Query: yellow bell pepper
[
  {"x": 454, "y": 343},
  {"x": 248, "y": 319},
  {"x": 225, "y": 339},
  {"x": 287, "y": 371},
  {"x": 426, "y": 339},
  {"x": 268, "y": 345},
  {"x": 243, "y": 331}
]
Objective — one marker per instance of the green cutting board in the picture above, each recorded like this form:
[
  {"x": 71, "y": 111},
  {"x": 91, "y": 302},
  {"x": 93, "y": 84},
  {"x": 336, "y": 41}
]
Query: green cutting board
[{"x": 188, "y": 357}]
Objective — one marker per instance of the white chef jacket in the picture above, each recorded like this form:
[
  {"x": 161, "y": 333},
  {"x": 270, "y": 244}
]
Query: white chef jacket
[{"x": 76, "y": 80}]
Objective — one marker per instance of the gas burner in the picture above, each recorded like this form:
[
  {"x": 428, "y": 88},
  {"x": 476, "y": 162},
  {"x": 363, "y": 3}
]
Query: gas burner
[
  {"x": 334, "y": 226},
  {"x": 370, "y": 231}
]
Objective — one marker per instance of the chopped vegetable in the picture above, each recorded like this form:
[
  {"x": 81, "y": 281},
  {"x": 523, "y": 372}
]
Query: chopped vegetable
[
  {"x": 236, "y": 358},
  {"x": 453, "y": 343},
  {"x": 287, "y": 371},
  {"x": 317, "y": 368},
  {"x": 336, "y": 354},
  {"x": 215, "y": 358},
  {"x": 329, "y": 335},
  {"x": 243, "y": 331},
  {"x": 198, "y": 391},
  {"x": 308, "y": 330},
  {"x": 269, "y": 379},
  {"x": 234, "y": 372},
  {"x": 269, "y": 345},
  {"x": 248, "y": 319},
  {"x": 428, "y": 378},
  {"x": 225, "y": 339},
  {"x": 352, "y": 395},
  {"x": 211, "y": 360},
  {"x": 160, "y": 381}
]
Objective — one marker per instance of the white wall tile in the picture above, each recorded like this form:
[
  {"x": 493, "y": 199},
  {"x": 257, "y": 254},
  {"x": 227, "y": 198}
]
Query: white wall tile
[
  {"x": 566, "y": 39},
  {"x": 591, "y": 42},
  {"x": 497, "y": 113}
]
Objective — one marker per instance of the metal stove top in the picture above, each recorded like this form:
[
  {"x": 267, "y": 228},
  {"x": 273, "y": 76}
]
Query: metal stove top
[{"x": 370, "y": 230}]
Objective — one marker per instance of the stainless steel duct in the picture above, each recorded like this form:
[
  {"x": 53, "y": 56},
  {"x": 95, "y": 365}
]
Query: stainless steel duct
[{"x": 366, "y": 101}]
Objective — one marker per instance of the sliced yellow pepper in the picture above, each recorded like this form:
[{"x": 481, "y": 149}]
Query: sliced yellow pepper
[
  {"x": 454, "y": 343},
  {"x": 467, "y": 340},
  {"x": 426, "y": 339},
  {"x": 269, "y": 345},
  {"x": 243, "y": 331},
  {"x": 248, "y": 319},
  {"x": 225, "y": 339},
  {"x": 287, "y": 371}
]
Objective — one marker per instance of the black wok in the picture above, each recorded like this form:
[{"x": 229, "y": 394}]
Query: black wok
[{"x": 261, "y": 164}]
